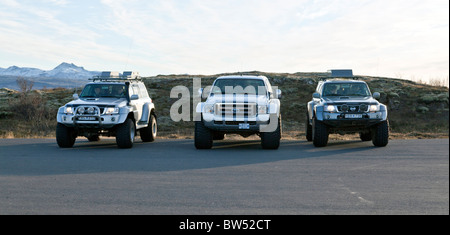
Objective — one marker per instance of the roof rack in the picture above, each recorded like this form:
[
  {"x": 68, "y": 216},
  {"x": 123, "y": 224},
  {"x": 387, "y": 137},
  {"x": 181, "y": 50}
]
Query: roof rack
[
  {"x": 339, "y": 73},
  {"x": 108, "y": 76}
]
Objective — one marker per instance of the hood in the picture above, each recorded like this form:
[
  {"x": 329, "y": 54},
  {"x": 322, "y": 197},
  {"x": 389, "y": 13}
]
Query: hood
[
  {"x": 346, "y": 99},
  {"x": 237, "y": 98},
  {"x": 99, "y": 101}
]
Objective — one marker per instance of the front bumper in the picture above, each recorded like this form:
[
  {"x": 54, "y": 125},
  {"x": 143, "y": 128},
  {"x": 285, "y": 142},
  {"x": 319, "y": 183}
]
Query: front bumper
[
  {"x": 236, "y": 124},
  {"x": 97, "y": 122},
  {"x": 339, "y": 120}
]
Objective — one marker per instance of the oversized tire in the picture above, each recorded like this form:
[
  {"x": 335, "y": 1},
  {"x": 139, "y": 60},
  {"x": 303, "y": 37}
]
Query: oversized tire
[
  {"x": 365, "y": 136},
  {"x": 271, "y": 140},
  {"x": 203, "y": 136},
  {"x": 380, "y": 134},
  {"x": 148, "y": 134},
  {"x": 308, "y": 129},
  {"x": 125, "y": 134},
  {"x": 65, "y": 136},
  {"x": 319, "y": 133}
]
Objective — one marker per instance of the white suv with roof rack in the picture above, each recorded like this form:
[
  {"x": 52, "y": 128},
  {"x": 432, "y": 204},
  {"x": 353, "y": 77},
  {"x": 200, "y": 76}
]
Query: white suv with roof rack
[
  {"x": 112, "y": 104},
  {"x": 243, "y": 105}
]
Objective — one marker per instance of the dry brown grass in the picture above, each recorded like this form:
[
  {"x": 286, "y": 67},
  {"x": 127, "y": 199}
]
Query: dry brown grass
[{"x": 416, "y": 111}]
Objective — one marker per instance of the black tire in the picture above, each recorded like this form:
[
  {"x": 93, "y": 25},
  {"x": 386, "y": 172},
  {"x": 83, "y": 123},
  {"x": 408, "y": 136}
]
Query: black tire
[
  {"x": 65, "y": 136},
  {"x": 93, "y": 138},
  {"x": 148, "y": 134},
  {"x": 319, "y": 133},
  {"x": 308, "y": 129},
  {"x": 218, "y": 136},
  {"x": 271, "y": 140},
  {"x": 125, "y": 134},
  {"x": 365, "y": 136},
  {"x": 380, "y": 134},
  {"x": 203, "y": 137}
]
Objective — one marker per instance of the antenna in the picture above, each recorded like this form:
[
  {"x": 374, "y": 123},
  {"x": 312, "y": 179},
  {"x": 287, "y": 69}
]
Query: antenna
[{"x": 128, "y": 55}]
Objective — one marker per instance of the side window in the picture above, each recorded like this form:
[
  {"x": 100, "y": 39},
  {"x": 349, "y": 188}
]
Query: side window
[
  {"x": 269, "y": 88},
  {"x": 135, "y": 90},
  {"x": 143, "y": 90},
  {"x": 319, "y": 88}
]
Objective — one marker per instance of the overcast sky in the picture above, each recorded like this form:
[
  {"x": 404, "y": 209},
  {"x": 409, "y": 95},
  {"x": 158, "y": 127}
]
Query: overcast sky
[{"x": 395, "y": 38}]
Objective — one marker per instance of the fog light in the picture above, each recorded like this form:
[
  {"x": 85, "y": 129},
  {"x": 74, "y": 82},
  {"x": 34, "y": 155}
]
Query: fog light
[
  {"x": 113, "y": 119},
  {"x": 344, "y": 108},
  {"x": 328, "y": 116}
]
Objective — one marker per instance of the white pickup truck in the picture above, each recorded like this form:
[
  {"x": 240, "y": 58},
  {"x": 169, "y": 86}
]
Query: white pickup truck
[{"x": 244, "y": 105}]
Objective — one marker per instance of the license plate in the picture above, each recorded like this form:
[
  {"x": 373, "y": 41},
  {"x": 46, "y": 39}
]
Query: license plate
[
  {"x": 87, "y": 119},
  {"x": 353, "y": 115},
  {"x": 244, "y": 126}
]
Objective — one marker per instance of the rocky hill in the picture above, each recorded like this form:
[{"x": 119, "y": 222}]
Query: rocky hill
[{"x": 415, "y": 110}]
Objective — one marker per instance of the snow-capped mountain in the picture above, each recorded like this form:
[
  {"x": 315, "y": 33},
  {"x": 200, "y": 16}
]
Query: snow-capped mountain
[
  {"x": 21, "y": 72},
  {"x": 64, "y": 75},
  {"x": 64, "y": 70}
]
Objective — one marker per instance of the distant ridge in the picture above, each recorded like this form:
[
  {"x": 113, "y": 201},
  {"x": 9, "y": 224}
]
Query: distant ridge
[
  {"x": 66, "y": 75},
  {"x": 64, "y": 70}
]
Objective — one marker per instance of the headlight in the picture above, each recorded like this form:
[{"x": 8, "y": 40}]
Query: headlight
[
  {"x": 209, "y": 108},
  {"x": 374, "y": 108},
  {"x": 330, "y": 108},
  {"x": 112, "y": 110},
  {"x": 68, "y": 110},
  {"x": 262, "y": 109}
]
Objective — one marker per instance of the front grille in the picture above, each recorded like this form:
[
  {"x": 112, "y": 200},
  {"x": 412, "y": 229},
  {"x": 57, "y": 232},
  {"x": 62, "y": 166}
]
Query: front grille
[
  {"x": 353, "y": 107},
  {"x": 96, "y": 109},
  {"x": 236, "y": 109}
]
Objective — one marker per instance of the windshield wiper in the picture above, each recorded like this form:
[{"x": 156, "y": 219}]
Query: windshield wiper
[
  {"x": 108, "y": 96},
  {"x": 355, "y": 95},
  {"x": 333, "y": 95}
]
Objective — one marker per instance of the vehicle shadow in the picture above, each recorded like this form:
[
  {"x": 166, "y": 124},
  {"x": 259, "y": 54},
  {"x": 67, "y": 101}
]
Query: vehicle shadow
[{"x": 44, "y": 157}]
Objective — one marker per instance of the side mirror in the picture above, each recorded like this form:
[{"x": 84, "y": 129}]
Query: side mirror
[
  {"x": 376, "y": 95},
  {"x": 134, "y": 97},
  {"x": 200, "y": 92},
  {"x": 278, "y": 93},
  {"x": 316, "y": 95},
  {"x": 75, "y": 96}
]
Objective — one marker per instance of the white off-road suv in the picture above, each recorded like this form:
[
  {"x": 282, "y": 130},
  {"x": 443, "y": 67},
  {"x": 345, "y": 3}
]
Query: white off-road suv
[
  {"x": 113, "y": 104},
  {"x": 244, "y": 105}
]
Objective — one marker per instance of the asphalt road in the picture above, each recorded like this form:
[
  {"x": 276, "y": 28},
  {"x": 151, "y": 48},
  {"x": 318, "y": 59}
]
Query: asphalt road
[{"x": 235, "y": 177}]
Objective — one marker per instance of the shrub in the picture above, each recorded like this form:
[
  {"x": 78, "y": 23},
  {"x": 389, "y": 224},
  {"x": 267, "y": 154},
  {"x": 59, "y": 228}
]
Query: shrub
[
  {"x": 422, "y": 109},
  {"x": 28, "y": 105}
]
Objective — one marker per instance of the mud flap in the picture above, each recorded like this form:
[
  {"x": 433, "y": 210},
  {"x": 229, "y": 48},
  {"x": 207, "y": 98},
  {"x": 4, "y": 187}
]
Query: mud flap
[{"x": 145, "y": 114}]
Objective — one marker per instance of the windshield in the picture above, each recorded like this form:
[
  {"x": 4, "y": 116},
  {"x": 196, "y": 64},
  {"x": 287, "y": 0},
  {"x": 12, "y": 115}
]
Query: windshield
[
  {"x": 104, "y": 90},
  {"x": 345, "y": 89},
  {"x": 239, "y": 86}
]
